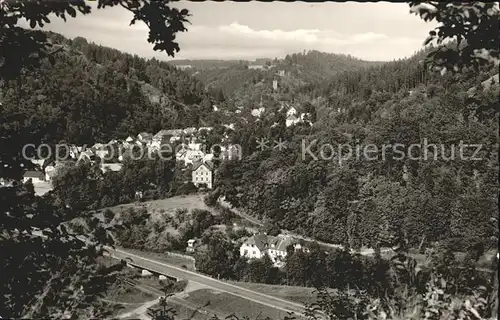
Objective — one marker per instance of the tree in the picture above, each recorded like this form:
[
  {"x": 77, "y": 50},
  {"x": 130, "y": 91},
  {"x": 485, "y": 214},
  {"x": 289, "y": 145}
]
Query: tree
[
  {"x": 55, "y": 275},
  {"x": 271, "y": 229},
  {"x": 469, "y": 26},
  {"x": 23, "y": 49},
  {"x": 108, "y": 215}
]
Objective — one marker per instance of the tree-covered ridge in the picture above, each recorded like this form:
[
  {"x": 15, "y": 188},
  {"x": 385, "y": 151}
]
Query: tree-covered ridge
[
  {"x": 203, "y": 64},
  {"x": 93, "y": 94},
  {"x": 363, "y": 202},
  {"x": 313, "y": 66},
  {"x": 307, "y": 67}
]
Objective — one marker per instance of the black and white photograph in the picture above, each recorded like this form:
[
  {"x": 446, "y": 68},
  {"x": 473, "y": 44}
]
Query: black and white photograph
[{"x": 249, "y": 160}]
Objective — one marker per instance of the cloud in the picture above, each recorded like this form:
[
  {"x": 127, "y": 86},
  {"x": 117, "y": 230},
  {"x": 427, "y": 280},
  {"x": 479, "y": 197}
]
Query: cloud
[
  {"x": 253, "y": 43},
  {"x": 221, "y": 37},
  {"x": 306, "y": 36}
]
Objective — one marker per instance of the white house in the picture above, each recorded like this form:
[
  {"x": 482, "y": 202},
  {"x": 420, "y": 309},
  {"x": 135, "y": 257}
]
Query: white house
[
  {"x": 50, "y": 171},
  {"x": 100, "y": 150},
  {"x": 74, "y": 151},
  {"x": 291, "y": 120},
  {"x": 174, "y": 139},
  {"x": 189, "y": 156},
  {"x": 34, "y": 176},
  {"x": 190, "y": 131},
  {"x": 112, "y": 142},
  {"x": 258, "y": 112},
  {"x": 105, "y": 167},
  {"x": 205, "y": 128},
  {"x": 258, "y": 245},
  {"x": 86, "y": 156},
  {"x": 38, "y": 162},
  {"x": 208, "y": 157},
  {"x": 254, "y": 247},
  {"x": 191, "y": 245},
  {"x": 194, "y": 146},
  {"x": 145, "y": 137},
  {"x": 291, "y": 112},
  {"x": 202, "y": 173}
]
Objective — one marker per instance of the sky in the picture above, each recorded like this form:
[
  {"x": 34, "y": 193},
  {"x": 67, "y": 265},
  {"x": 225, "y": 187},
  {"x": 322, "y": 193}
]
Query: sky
[{"x": 378, "y": 31}]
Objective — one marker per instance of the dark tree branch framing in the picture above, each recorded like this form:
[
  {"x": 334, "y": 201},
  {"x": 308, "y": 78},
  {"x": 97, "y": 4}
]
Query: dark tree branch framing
[
  {"x": 473, "y": 25},
  {"x": 21, "y": 48}
]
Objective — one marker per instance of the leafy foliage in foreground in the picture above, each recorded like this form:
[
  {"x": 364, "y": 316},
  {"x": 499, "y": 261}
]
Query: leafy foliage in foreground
[
  {"x": 49, "y": 271},
  {"x": 23, "y": 49}
]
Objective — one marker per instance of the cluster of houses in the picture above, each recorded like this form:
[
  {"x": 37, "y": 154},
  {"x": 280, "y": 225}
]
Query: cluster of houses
[
  {"x": 188, "y": 152},
  {"x": 293, "y": 118},
  {"x": 292, "y": 115}
]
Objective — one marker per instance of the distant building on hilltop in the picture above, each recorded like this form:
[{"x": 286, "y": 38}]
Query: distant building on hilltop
[
  {"x": 183, "y": 66},
  {"x": 275, "y": 85},
  {"x": 256, "y": 67}
]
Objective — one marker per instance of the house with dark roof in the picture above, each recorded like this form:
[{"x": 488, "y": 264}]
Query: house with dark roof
[
  {"x": 190, "y": 131},
  {"x": 145, "y": 137},
  {"x": 165, "y": 137},
  {"x": 202, "y": 173},
  {"x": 34, "y": 176},
  {"x": 258, "y": 245}
]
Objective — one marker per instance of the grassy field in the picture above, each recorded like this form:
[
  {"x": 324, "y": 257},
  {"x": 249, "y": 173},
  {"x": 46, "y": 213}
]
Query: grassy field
[
  {"x": 169, "y": 205},
  {"x": 292, "y": 293},
  {"x": 125, "y": 298},
  {"x": 221, "y": 303}
]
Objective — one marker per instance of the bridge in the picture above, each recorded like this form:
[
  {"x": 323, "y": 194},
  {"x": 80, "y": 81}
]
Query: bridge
[
  {"x": 132, "y": 264},
  {"x": 171, "y": 271}
]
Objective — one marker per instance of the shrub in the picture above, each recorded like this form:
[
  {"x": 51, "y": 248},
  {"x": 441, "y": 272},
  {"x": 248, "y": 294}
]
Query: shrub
[{"x": 108, "y": 215}]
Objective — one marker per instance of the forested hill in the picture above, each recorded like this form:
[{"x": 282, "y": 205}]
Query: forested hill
[
  {"x": 307, "y": 67},
  {"x": 93, "y": 93},
  {"x": 357, "y": 200},
  {"x": 314, "y": 66}
]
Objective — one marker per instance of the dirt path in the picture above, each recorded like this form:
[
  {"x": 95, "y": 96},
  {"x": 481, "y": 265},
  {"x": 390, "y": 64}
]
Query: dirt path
[{"x": 140, "y": 312}]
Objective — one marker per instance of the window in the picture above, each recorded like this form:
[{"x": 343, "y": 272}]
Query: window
[
  {"x": 245, "y": 252},
  {"x": 254, "y": 253}
]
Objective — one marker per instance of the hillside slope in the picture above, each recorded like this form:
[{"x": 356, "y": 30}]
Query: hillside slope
[{"x": 93, "y": 94}]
